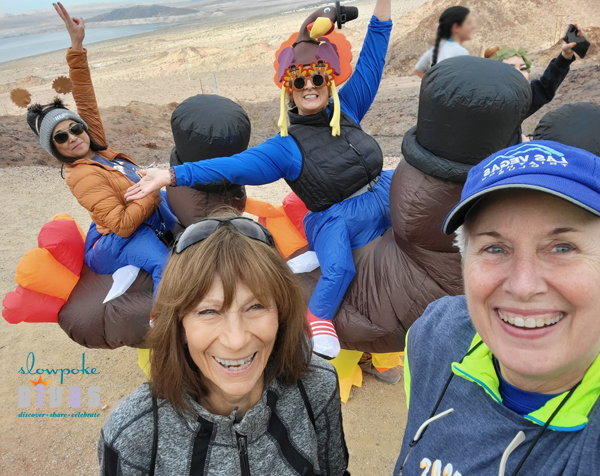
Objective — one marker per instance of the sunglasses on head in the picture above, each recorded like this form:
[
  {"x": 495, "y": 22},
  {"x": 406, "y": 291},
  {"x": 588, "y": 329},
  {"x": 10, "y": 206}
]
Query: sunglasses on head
[
  {"x": 202, "y": 229},
  {"x": 63, "y": 136},
  {"x": 298, "y": 77}
]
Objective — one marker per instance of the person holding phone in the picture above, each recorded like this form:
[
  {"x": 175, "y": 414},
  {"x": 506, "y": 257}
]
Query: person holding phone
[
  {"x": 455, "y": 27},
  {"x": 545, "y": 87}
]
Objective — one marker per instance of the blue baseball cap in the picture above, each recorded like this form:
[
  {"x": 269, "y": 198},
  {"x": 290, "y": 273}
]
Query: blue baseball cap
[{"x": 566, "y": 172}]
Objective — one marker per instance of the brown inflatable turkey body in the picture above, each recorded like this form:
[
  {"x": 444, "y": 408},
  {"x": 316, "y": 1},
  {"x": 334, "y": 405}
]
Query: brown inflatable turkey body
[{"x": 469, "y": 108}]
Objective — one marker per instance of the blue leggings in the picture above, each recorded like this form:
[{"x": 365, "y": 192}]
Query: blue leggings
[
  {"x": 104, "y": 254},
  {"x": 333, "y": 233}
]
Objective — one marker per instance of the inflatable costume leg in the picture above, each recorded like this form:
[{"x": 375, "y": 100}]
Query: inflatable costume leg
[
  {"x": 332, "y": 246},
  {"x": 384, "y": 367},
  {"x": 144, "y": 361}
]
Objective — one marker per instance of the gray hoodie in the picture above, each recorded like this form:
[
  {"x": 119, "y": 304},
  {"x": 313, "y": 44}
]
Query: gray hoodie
[{"x": 297, "y": 438}]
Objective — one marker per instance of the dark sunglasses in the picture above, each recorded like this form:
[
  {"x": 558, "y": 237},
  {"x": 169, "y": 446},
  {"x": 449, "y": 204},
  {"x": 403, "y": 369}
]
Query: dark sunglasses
[
  {"x": 202, "y": 229},
  {"x": 63, "y": 136},
  {"x": 299, "y": 83}
]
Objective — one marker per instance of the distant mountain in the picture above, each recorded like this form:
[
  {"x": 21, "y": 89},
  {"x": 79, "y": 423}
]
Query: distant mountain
[{"x": 141, "y": 11}]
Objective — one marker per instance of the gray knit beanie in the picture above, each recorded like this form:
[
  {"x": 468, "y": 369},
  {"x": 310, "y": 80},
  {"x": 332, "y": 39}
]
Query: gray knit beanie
[{"x": 43, "y": 123}]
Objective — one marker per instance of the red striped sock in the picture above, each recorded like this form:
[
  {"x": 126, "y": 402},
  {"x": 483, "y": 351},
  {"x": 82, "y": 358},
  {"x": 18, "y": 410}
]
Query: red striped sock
[{"x": 324, "y": 337}]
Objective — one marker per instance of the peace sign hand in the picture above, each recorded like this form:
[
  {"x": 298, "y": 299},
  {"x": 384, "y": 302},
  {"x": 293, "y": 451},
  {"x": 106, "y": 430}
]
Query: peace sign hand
[{"x": 75, "y": 26}]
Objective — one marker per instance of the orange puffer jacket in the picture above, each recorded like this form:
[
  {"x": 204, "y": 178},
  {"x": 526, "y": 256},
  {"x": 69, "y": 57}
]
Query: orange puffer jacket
[{"x": 100, "y": 189}]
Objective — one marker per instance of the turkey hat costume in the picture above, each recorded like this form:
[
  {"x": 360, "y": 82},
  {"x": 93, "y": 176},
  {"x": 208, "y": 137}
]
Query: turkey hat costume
[{"x": 316, "y": 50}]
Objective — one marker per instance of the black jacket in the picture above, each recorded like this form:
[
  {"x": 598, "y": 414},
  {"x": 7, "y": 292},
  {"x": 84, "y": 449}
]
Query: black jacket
[
  {"x": 333, "y": 167},
  {"x": 544, "y": 89}
]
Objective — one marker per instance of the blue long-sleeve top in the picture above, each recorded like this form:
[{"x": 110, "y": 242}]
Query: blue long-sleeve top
[
  {"x": 544, "y": 89},
  {"x": 279, "y": 157}
]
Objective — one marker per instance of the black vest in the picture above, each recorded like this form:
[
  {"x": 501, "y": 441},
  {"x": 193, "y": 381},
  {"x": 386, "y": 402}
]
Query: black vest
[{"x": 333, "y": 168}]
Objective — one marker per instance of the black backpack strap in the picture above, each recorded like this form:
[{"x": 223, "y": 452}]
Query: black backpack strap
[
  {"x": 307, "y": 404},
  {"x": 278, "y": 431},
  {"x": 204, "y": 436},
  {"x": 155, "y": 436}
]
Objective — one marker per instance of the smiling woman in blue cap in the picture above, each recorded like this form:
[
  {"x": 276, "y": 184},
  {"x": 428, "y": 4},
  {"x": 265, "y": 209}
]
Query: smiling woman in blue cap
[{"x": 506, "y": 379}]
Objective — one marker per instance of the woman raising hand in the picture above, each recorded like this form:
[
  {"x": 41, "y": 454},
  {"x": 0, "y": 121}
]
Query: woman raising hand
[{"x": 123, "y": 232}]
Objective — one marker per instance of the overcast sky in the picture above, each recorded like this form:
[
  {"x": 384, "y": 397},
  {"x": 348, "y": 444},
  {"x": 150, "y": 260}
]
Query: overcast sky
[{"x": 12, "y": 6}]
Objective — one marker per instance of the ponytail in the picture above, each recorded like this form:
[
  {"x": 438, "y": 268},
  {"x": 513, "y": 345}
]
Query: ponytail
[
  {"x": 436, "y": 47},
  {"x": 450, "y": 17}
]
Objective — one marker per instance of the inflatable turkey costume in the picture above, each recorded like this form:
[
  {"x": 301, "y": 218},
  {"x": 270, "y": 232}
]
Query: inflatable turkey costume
[
  {"x": 469, "y": 108},
  {"x": 326, "y": 158},
  {"x": 112, "y": 310}
]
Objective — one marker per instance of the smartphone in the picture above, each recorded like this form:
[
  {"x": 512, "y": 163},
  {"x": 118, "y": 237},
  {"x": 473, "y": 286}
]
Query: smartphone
[{"x": 582, "y": 46}]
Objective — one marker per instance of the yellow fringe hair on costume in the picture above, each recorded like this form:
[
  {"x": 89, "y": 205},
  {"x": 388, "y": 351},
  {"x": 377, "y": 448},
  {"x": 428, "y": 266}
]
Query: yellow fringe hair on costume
[{"x": 335, "y": 120}]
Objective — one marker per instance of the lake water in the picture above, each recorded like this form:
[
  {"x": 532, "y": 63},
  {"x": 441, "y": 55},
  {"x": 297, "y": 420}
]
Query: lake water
[{"x": 29, "y": 45}]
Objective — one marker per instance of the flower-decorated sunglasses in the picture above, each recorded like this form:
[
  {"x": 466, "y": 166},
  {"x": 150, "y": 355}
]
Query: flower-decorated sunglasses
[{"x": 296, "y": 77}]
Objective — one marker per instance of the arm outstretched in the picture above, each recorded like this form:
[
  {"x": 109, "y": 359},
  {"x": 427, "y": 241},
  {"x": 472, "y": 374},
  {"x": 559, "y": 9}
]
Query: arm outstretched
[
  {"x": 357, "y": 95},
  {"x": 383, "y": 10},
  {"x": 79, "y": 72}
]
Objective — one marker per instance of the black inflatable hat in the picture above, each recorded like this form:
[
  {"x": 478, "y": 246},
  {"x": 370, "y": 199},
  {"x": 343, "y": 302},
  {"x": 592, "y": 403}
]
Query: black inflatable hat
[
  {"x": 208, "y": 126},
  {"x": 470, "y": 107},
  {"x": 575, "y": 124},
  {"x": 205, "y": 127}
]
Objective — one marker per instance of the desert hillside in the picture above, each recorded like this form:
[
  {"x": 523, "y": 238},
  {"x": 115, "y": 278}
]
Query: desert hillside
[
  {"x": 536, "y": 25},
  {"x": 139, "y": 80},
  {"x": 141, "y": 11}
]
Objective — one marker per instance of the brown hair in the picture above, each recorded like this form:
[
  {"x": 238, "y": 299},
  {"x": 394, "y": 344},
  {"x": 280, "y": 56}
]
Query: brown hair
[{"x": 188, "y": 277}]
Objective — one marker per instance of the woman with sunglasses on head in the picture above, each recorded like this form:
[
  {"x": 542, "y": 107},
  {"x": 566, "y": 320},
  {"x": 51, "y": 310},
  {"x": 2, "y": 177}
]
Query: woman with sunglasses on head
[
  {"x": 122, "y": 232},
  {"x": 234, "y": 389},
  {"x": 326, "y": 158}
]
